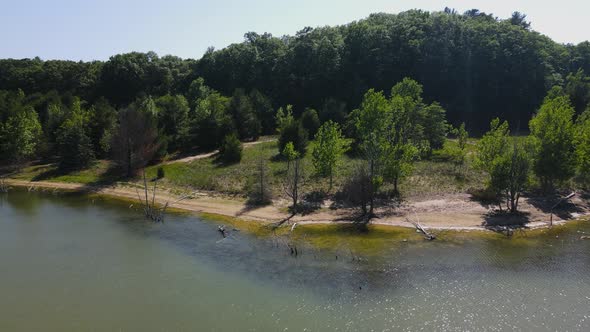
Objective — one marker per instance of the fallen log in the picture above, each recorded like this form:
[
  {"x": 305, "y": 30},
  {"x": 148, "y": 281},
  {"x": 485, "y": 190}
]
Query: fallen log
[
  {"x": 557, "y": 204},
  {"x": 428, "y": 236}
]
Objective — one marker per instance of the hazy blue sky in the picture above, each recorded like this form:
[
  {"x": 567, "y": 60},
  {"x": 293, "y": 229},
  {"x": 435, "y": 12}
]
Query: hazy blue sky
[{"x": 96, "y": 29}]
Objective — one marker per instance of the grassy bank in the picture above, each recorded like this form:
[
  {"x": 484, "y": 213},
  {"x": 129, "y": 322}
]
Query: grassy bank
[{"x": 434, "y": 176}]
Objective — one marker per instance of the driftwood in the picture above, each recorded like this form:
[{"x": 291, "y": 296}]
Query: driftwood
[
  {"x": 558, "y": 203},
  {"x": 3, "y": 186},
  {"x": 221, "y": 229},
  {"x": 428, "y": 236}
]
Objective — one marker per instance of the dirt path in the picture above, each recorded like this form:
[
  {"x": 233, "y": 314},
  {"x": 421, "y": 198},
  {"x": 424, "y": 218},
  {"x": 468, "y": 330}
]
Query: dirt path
[
  {"x": 210, "y": 154},
  {"x": 452, "y": 212}
]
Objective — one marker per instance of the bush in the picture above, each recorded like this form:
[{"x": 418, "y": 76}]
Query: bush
[
  {"x": 310, "y": 121},
  {"x": 357, "y": 189},
  {"x": 160, "y": 173},
  {"x": 231, "y": 150},
  {"x": 295, "y": 133}
]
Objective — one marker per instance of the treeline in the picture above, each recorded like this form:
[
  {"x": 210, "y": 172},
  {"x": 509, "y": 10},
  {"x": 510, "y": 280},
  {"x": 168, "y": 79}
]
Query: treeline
[
  {"x": 75, "y": 132},
  {"x": 392, "y": 130},
  {"x": 476, "y": 65}
]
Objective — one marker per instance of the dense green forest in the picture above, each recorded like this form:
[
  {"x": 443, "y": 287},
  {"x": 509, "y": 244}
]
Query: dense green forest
[{"x": 473, "y": 67}]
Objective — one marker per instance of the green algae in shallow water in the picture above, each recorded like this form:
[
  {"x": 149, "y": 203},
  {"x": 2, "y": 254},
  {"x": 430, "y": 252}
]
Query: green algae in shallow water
[
  {"x": 368, "y": 240},
  {"x": 257, "y": 228}
]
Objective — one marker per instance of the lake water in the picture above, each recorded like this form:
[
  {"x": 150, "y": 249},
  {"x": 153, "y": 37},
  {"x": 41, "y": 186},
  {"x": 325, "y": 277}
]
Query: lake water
[{"x": 77, "y": 263}]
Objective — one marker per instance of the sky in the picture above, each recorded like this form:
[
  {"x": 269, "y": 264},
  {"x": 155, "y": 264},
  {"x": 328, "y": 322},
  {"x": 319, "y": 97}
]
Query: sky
[{"x": 96, "y": 29}]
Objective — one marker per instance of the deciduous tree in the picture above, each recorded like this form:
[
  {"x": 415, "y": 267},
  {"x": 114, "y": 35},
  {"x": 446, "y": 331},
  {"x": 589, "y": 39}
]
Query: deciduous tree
[
  {"x": 328, "y": 150},
  {"x": 552, "y": 130}
]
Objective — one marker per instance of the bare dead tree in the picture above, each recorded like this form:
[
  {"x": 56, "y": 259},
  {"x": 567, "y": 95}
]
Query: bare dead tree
[
  {"x": 151, "y": 210},
  {"x": 294, "y": 181},
  {"x": 135, "y": 140},
  {"x": 260, "y": 192}
]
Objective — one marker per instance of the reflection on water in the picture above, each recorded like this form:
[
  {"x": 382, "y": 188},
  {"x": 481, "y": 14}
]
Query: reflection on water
[{"x": 77, "y": 263}]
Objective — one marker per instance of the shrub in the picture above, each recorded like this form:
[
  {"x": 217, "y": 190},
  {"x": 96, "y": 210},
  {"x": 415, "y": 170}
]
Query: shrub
[
  {"x": 161, "y": 173},
  {"x": 310, "y": 121},
  {"x": 295, "y": 133},
  {"x": 231, "y": 150},
  {"x": 357, "y": 189}
]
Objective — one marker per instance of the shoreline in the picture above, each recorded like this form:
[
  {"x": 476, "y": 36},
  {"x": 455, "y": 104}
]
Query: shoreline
[{"x": 233, "y": 208}]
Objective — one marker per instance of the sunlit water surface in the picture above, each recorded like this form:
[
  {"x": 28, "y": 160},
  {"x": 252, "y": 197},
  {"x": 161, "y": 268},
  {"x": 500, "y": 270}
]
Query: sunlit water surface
[{"x": 76, "y": 263}]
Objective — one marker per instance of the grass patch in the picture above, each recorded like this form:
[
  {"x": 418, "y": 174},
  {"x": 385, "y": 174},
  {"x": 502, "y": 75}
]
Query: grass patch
[
  {"x": 97, "y": 173},
  {"x": 208, "y": 174},
  {"x": 435, "y": 176}
]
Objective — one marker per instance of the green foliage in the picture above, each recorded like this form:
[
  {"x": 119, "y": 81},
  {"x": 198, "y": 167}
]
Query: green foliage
[
  {"x": 173, "y": 121},
  {"x": 103, "y": 120},
  {"x": 74, "y": 143},
  {"x": 127, "y": 76},
  {"x": 469, "y": 62},
  {"x": 408, "y": 88},
  {"x": 210, "y": 122},
  {"x": 161, "y": 173},
  {"x": 582, "y": 141},
  {"x": 310, "y": 121},
  {"x": 462, "y": 136},
  {"x": 293, "y": 132},
  {"x": 435, "y": 125},
  {"x": 492, "y": 145},
  {"x": 245, "y": 120},
  {"x": 552, "y": 131},
  {"x": 230, "y": 151},
  {"x": 458, "y": 154},
  {"x": 509, "y": 173},
  {"x": 424, "y": 126},
  {"x": 384, "y": 128},
  {"x": 333, "y": 109},
  {"x": 289, "y": 152},
  {"x": 284, "y": 118},
  {"x": 372, "y": 130},
  {"x": 508, "y": 164},
  {"x": 328, "y": 150},
  {"x": 264, "y": 111},
  {"x": 20, "y": 136},
  {"x": 577, "y": 87},
  {"x": 197, "y": 91}
]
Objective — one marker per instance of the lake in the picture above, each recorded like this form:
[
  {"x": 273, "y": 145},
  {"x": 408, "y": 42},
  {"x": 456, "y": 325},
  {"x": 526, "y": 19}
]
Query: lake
[{"x": 78, "y": 263}]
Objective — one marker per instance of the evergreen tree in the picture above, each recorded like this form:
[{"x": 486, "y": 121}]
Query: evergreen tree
[
  {"x": 74, "y": 144},
  {"x": 245, "y": 119},
  {"x": 230, "y": 151},
  {"x": 310, "y": 121}
]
